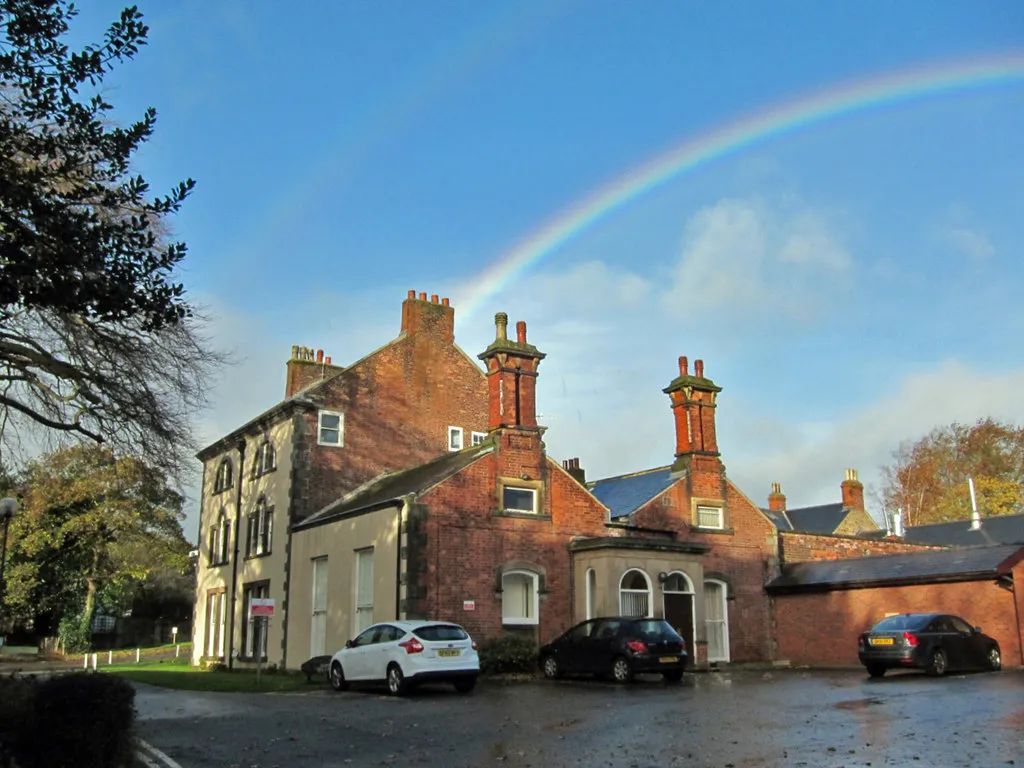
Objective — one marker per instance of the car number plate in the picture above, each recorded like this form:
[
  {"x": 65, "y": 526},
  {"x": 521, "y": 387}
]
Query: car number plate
[
  {"x": 881, "y": 641},
  {"x": 668, "y": 659},
  {"x": 449, "y": 653}
]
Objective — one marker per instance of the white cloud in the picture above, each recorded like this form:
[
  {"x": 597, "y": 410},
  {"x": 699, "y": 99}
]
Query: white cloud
[
  {"x": 745, "y": 257},
  {"x": 970, "y": 242}
]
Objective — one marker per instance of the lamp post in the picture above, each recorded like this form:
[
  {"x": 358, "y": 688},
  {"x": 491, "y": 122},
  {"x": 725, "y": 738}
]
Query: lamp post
[{"x": 8, "y": 509}]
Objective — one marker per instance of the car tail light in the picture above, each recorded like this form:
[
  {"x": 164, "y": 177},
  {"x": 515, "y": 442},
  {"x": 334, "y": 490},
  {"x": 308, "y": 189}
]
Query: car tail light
[
  {"x": 909, "y": 639},
  {"x": 682, "y": 642},
  {"x": 474, "y": 646},
  {"x": 861, "y": 641},
  {"x": 637, "y": 646},
  {"x": 412, "y": 646}
]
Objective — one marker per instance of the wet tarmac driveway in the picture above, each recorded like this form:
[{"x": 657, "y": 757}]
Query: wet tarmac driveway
[{"x": 731, "y": 719}]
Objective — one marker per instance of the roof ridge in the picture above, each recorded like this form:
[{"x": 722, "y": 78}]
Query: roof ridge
[{"x": 629, "y": 474}]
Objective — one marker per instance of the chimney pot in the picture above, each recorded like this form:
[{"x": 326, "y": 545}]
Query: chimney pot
[
  {"x": 327, "y": 360},
  {"x": 501, "y": 327},
  {"x": 433, "y": 298},
  {"x": 444, "y": 303},
  {"x": 423, "y": 296},
  {"x": 295, "y": 351},
  {"x": 521, "y": 331},
  {"x": 684, "y": 366},
  {"x": 698, "y": 369},
  {"x": 412, "y": 294},
  {"x": 319, "y": 355}
]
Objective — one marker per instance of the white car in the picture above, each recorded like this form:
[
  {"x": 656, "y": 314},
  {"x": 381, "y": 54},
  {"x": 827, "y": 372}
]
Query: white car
[{"x": 406, "y": 653}]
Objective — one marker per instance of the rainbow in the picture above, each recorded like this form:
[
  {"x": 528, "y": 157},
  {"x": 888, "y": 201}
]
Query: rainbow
[{"x": 747, "y": 131}]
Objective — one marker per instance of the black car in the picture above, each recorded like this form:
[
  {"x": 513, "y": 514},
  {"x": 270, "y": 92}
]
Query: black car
[
  {"x": 619, "y": 646},
  {"x": 934, "y": 642}
]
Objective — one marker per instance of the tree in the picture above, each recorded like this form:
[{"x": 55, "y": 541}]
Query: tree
[
  {"x": 97, "y": 340},
  {"x": 927, "y": 479},
  {"x": 91, "y": 525}
]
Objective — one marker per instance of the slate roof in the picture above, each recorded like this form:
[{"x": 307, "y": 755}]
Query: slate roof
[
  {"x": 778, "y": 518},
  {"x": 824, "y": 518},
  {"x": 627, "y": 493},
  {"x": 1002, "y": 529},
  {"x": 390, "y": 488},
  {"x": 906, "y": 568}
]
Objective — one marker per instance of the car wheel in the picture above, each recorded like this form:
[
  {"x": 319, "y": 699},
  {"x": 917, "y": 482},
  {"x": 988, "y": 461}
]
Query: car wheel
[
  {"x": 338, "y": 681},
  {"x": 621, "y": 670},
  {"x": 673, "y": 676},
  {"x": 397, "y": 684},
  {"x": 551, "y": 668},
  {"x": 937, "y": 663},
  {"x": 993, "y": 660},
  {"x": 465, "y": 686},
  {"x": 876, "y": 670}
]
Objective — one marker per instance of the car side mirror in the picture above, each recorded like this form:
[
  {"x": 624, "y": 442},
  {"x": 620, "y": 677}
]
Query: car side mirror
[
  {"x": 977, "y": 630},
  {"x": 349, "y": 643}
]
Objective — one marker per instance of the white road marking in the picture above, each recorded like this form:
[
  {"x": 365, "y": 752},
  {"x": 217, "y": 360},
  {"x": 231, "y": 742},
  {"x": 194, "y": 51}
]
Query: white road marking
[{"x": 163, "y": 757}]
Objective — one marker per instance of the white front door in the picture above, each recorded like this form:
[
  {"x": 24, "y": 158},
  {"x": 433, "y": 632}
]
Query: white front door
[
  {"x": 364, "y": 590},
  {"x": 716, "y": 618},
  {"x": 318, "y": 627}
]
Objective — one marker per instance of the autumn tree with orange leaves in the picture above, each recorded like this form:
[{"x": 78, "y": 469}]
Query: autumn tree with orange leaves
[{"x": 928, "y": 479}]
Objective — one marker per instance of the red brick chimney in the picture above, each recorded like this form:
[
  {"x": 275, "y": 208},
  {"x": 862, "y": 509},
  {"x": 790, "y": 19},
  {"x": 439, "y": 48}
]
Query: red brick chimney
[
  {"x": 853, "y": 490},
  {"x": 307, "y": 367},
  {"x": 693, "y": 404},
  {"x": 435, "y": 316},
  {"x": 572, "y": 466},
  {"x": 511, "y": 377},
  {"x": 777, "y": 499}
]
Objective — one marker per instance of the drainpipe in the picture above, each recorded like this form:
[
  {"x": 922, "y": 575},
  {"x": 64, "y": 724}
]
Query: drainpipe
[
  {"x": 403, "y": 514},
  {"x": 234, "y": 560}
]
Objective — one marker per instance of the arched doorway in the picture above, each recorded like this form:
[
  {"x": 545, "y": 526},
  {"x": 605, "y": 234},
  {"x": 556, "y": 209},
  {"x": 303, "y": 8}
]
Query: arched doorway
[{"x": 677, "y": 597}]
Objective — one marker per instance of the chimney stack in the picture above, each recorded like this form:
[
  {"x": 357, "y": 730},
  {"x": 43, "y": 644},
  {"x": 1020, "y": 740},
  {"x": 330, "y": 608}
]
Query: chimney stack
[
  {"x": 305, "y": 368},
  {"x": 572, "y": 466},
  {"x": 777, "y": 499},
  {"x": 853, "y": 490},
  {"x": 693, "y": 404},
  {"x": 434, "y": 317},
  {"x": 511, "y": 377}
]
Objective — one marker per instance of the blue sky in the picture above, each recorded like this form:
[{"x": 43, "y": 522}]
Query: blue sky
[{"x": 849, "y": 285}]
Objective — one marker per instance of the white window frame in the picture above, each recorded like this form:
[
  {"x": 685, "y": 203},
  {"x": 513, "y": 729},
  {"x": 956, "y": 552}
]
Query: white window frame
[
  {"x": 361, "y": 609},
  {"x": 721, "y": 517},
  {"x": 519, "y": 511},
  {"x": 534, "y": 598},
  {"x": 475, "y": 438},
  {"x": 723, "y": 622},
  {"x": 340, "y": 428},
  {"x": 648, "y": 593},
  {"x": 452, "y": 432}
]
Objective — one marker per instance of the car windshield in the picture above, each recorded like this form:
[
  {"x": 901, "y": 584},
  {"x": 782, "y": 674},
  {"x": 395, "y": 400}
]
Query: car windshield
[
  {"x": 438, "y": 632},
  {"x": 901, "y": 623},
  {"x": 654, "y": 630}
]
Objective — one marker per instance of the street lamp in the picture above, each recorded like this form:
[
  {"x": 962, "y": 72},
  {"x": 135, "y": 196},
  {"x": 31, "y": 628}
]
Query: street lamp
[{"x": 8, "y": 509}]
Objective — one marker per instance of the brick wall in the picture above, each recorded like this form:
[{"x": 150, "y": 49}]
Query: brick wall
[
  {"x": 398, "y": 404},
  {"x": 821, "y": 629},
  {"x": 801, "y": 547},
  {"x": 458, "y": 545}
]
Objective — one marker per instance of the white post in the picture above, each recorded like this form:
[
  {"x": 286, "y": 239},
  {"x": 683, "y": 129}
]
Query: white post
[
  {"x": 177, "y": 650},
  {"x": 94, "y": 661},
  {"x": 85, "y": 661},
  {"x": 110, "y": 658},
  {"x": 138, "y": 655}
]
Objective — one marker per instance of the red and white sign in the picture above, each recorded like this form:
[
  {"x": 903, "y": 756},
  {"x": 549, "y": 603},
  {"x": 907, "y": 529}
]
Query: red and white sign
[
  {"x": 262, "y": 606},
  {"x": 469, "y": 605}
]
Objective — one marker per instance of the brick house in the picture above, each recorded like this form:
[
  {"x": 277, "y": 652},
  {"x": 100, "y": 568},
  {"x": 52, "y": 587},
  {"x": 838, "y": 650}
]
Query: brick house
[{"x": 413, "y": 483}]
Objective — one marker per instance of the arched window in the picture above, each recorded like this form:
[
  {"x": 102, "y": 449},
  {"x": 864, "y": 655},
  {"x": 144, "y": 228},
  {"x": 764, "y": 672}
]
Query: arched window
[
  {"x": 261, "y": 529},
  {"x": 224, "y": 478},
  {"x": 220, "y": 537},
  {"x": 265, "y": 459},
  {"x": 678, "y": 582},
  {"x": 716, "y": 619},
  {"x": 635, "y": 594},
  {"x": 591, "y": 593},
  {"x": 519, "y": 597}
]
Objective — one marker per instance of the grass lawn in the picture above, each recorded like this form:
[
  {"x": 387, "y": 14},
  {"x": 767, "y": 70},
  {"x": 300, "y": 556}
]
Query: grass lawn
[{"x": 179, "y": 674}]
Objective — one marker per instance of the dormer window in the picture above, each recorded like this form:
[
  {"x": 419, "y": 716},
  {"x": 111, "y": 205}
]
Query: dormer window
[
  {"x": 265, "y": 459},
  {"x": 454, "y": 438},
  {"x": 224, "y": 478}
]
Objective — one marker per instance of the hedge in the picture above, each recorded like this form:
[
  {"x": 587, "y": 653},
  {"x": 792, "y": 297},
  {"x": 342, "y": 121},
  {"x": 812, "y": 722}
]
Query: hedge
[
  {"x": 508, "y": 654},
  {"x": 78, "y": 720}
]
